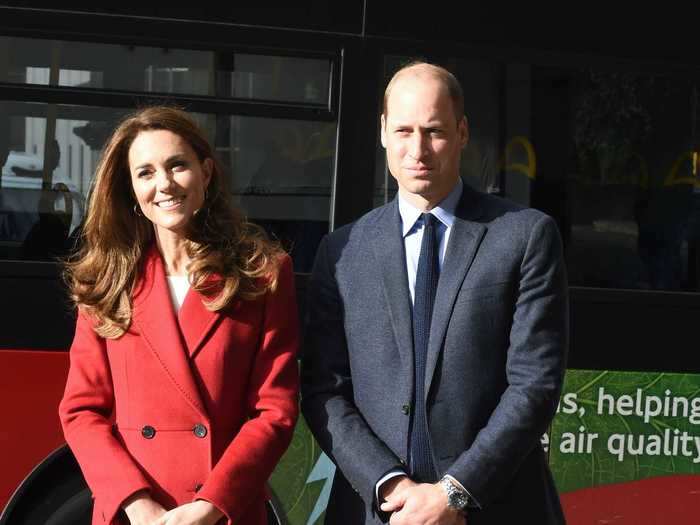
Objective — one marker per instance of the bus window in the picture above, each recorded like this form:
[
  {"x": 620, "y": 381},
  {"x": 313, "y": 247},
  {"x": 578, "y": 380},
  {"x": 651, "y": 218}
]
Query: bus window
[
  {"x": 91, "y": 65},
  {"x": 619, "y": 151},
  {"x": 611, "y": 154},
  {"x": 48, "y": 162},
  {"x": 282, "y": 179},
  {"x": 281, "y": 172}
]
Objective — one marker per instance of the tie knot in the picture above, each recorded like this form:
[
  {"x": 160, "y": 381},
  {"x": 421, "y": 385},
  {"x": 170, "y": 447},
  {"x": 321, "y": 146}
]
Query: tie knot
[{"x": 428, "y": 219}]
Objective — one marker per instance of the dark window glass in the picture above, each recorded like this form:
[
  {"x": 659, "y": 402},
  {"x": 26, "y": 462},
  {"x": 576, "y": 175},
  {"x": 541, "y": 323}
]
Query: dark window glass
[
  {"x": 48, "y": 156},
  {"x": 166, "y": 70},
  {"x": 610, "y": 153},
  {"x": 621, "y": 174},
  {"x": 281, "y": 173}
]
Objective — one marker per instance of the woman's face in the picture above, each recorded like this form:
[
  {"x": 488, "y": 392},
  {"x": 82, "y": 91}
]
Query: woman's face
[{"x": 168, "y": 179}]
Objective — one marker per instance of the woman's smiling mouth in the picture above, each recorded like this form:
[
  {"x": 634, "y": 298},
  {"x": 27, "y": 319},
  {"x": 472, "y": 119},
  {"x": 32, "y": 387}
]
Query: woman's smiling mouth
[{"x": 170, "y": 203}]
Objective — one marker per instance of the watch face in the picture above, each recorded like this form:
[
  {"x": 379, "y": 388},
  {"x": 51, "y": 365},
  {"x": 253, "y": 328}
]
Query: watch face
[
  {"x": 460, "y": 500},
  {"x": 456, "y": 499}
]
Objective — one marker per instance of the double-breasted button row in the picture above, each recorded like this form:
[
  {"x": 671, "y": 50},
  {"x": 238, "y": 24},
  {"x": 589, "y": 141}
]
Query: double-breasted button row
[{"x": 199, "y": 430}]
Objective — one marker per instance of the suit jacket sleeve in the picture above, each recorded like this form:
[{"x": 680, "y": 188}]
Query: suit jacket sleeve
[
  {"x": 327, "y": 391},
  {"x": 85, "y": 412},
  {"x": 273, "y": 407},
  {"x": 535, "y": 366}
]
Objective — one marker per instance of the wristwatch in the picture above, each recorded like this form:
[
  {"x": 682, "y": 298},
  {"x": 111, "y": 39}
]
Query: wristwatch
[{"x": 457, "y": 497}]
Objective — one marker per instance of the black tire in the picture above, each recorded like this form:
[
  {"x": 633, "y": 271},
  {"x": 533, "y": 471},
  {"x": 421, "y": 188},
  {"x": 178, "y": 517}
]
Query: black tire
[
  {"x": 74, "y": 511},
  {"x": 54, "y": 493}
]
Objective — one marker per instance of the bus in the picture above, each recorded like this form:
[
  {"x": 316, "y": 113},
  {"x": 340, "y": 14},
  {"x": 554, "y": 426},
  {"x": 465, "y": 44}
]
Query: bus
[{"x": 593, "y": 122}]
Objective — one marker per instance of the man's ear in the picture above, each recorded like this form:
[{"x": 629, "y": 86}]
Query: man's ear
[{"x": 463, "y": 130}]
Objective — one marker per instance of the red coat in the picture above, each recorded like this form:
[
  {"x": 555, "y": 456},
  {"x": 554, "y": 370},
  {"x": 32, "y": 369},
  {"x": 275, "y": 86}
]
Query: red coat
[{"x": 195, "y": 406}]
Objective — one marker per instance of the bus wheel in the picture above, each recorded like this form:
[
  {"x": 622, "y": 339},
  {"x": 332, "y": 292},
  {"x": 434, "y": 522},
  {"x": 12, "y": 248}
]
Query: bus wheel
[
  {"x": 54, "y": 493},
  {"x": 75, "y": 510}
]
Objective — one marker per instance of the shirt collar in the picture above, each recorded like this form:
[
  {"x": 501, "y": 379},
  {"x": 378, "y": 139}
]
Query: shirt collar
[{"x": 444, "y": 211}]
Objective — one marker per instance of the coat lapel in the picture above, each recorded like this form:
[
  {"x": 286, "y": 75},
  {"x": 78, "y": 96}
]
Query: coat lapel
[
  {"x": 154, "y": 318},
  {"x": 390, "y": 257},
  {"x": 462, "y": 246},
  {"x": 195, "y": 321}
]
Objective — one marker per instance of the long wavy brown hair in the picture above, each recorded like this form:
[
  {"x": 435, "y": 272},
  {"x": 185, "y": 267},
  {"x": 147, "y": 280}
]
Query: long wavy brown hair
[{"x": 104, "y": 272}]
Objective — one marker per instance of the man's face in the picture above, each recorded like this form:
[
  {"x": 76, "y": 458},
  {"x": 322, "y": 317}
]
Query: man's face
[{"x": 423, "y": 139}]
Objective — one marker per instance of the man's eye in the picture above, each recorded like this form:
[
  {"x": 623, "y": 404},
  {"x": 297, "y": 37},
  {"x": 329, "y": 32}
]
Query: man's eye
[{"x": 179, "y": 164}]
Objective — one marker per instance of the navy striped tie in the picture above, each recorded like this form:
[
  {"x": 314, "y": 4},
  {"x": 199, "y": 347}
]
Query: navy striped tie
[{"x": 427, "y": 274}]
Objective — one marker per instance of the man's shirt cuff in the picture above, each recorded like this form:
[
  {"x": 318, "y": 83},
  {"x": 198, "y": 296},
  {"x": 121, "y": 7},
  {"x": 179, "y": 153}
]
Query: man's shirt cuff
[{"x": 391, "y": 474}]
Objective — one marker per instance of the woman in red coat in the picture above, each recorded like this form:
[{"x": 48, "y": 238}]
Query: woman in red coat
[{"x": 182, "y": 390}]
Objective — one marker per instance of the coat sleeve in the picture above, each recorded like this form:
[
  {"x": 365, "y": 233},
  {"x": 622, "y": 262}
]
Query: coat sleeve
[
  {"x": 327, "y": 390},
  {"x": 273, "y": 406},
  {"x": 535, "y": 365},
  {"x": 85, "y": 412}
]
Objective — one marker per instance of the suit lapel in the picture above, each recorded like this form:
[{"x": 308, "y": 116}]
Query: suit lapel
[
  {"x": 390, "y": 258},
  {"x": 195, "y": 321},
  {"x": 462, "y": 246},
  {"x": 155, "y": 320}
]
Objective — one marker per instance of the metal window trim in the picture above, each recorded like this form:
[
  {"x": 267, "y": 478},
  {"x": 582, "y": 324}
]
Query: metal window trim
[{"x": 105, "y": 98}]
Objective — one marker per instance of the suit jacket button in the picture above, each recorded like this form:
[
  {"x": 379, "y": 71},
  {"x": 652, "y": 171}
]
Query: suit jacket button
[
  {"x": 199, "y": 430},
  {"x": 148, "y": 432},
  {"x": 406, "y": 409}
]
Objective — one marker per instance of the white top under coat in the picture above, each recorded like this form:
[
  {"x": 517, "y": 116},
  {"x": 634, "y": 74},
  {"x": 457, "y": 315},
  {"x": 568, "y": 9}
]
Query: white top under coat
[{"x": 178, "y": 286}]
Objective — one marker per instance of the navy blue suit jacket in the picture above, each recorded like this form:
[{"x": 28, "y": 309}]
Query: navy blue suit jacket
[{"x": 496, "y": 358}]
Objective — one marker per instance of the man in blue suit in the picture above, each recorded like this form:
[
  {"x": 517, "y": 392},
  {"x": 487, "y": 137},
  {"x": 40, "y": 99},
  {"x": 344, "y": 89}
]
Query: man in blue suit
[{"x": 436, "y": 336}]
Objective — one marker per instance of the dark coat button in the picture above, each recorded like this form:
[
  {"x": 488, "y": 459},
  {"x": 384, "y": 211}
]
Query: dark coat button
[
  {"x": 199, "y": 430},
  {"x": 198, "y": 487},
  {"x": 406, "y": 409},
  {"x": 148, "y": 432}
]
